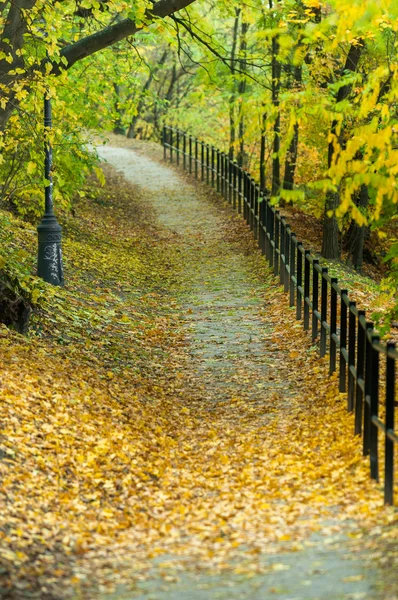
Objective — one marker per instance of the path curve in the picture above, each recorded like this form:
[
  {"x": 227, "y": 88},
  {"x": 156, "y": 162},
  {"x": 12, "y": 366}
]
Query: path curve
[{"x": 223, "y": 300}]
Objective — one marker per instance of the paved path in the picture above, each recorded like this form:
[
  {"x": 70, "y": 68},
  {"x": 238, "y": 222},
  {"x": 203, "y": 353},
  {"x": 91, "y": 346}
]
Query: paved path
[{"x": 222, "y": 300}]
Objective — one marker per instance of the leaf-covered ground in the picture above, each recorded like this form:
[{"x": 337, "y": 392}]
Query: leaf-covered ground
[{"x": 167, "y": 429}]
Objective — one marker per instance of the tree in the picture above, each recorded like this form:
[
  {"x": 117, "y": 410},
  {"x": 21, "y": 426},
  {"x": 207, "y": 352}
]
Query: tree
[
  {"x": 330, "y": 237},
  {"x": 28, "y": 33}
]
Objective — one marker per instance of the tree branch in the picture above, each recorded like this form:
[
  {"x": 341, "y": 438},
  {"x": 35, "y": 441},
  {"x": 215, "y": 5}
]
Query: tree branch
[
  {"x": 224, "y": 60},
  {"x": 117, "y": 32}
]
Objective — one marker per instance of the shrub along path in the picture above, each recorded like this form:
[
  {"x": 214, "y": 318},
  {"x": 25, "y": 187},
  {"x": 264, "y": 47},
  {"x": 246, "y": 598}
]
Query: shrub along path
[{"x": 168, "y": 430}]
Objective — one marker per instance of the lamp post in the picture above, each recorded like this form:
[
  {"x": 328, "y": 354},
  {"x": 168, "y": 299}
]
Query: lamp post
[{"x": 49, "y": 260}]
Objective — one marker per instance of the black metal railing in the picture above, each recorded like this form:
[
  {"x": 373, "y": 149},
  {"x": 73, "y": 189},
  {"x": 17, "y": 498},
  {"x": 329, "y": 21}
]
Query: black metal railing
[{"x": 367, "y": 368}]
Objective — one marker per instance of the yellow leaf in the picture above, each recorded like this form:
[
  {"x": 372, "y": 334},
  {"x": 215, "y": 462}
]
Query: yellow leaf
[{"x": 31, "y": 167}]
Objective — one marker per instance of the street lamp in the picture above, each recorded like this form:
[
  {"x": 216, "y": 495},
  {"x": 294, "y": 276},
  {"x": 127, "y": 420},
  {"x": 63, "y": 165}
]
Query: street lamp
[{"x": 49, "y": 260}]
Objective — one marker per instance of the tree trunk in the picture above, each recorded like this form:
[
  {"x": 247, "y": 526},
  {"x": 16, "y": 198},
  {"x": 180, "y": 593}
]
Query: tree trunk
[
  {"x": 146, "y": 86},
  {"x": 241, "y": 91},
  {"x": 275, "y": 89},
  {"x": 356, "y": 234},
  {"x": 232, "y": 98},
  {"x": 330, "y": 234},
  {"x": 173, "y": 80},
  {"x": 276, "y": 144},
  {"x": 118, "y": 128},
  {"x": 11, "y": 42},
  {"x": 262, "y": 151},
  {"x": 291, "y": 156},
  {"x": 291, "y": 160}
]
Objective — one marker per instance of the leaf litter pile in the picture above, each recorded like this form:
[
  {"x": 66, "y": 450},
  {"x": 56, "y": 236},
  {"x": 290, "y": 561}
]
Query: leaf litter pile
[{"x": 118, "y": 445}]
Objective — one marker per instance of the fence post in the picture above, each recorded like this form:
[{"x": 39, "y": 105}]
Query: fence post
[
  {"x": 184, "y": 142},
  {"x": 207, "y": 163},
  {"x": 374, "y": 410},
  {"x": 267, "y": 227},
  {"x": 190, "y": 154},
  {"x": 277, "y": 224},
  {"x": 240, "y": 189},
  {"x": 315, "y": 297},
  {"x": 324, "y": 311},
  {"x": 257, "y": 213},
  {"x": 282, "y": 257},
  {"x": 171, "y": 144},
  {"x": 234, "y": 183},
  {"x": 351, "y": 354},
  {"x": 299, "y": 269},
  {"x": 360, "y": 370},
  {"x": 178, "y": 146},
  {"x": 333, "y": 325},
  {"x": 212, "y": 167},
  {"x": 249, "y": 197},
  {"x": 196, "y": 157},
  {"x": 262, "y": 218},
  {"x": 222, "y": 174},
  {"x": 287, "y": 258},
  {"x": 202, "y": 161},
  {"x": 307, "y": 272},
  {"x": 271, "y": 223},
  {"x": 244, "y": 193},
  {"x": 389, "y": 444},
  {"x": 252, "y": 204},
  {"x": 293, "y": 246},
  {"x": 343, "y": 343},
  {"x": 227, "y": 176},
  {"x": 218, "y": 170},
  {"x": 229, "y": 179},
  {"x": 368, "y": 389},
  {"x": 225, "y": 162},
  {"x": 164, "y": 139}
]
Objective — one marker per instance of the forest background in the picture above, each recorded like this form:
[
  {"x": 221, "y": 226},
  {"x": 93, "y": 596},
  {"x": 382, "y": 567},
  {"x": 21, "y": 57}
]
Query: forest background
[{"x": 301, "y": 93}]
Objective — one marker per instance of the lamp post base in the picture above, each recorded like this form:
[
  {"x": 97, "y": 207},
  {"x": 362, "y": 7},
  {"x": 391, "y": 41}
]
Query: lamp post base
[{"x": 49, "y": 262}]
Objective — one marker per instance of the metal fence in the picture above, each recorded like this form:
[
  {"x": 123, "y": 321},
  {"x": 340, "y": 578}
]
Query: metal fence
[{"x": 367, "y": 367}]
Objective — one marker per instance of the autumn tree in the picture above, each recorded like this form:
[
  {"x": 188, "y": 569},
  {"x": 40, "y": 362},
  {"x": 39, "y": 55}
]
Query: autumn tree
[{"x": 39, "y": 38}]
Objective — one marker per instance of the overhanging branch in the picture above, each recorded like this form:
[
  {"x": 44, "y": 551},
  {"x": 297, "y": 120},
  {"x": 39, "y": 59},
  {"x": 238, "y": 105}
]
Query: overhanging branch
[{"x": 119, "y": 31}]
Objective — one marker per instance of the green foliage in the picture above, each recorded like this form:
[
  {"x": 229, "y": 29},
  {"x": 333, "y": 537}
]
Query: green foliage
[
  {"x": 195, "y": 72},
  {"x": 17, "y": 257},
  {"x": 21, "y": 170}
]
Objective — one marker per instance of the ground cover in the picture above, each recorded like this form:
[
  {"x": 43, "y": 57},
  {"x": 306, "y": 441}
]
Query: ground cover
[{"x": 167, "y": 417}]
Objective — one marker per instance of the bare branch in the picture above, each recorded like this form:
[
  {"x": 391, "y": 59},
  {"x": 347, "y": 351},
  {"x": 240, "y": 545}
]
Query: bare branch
[{"x": 225, "y": 60}]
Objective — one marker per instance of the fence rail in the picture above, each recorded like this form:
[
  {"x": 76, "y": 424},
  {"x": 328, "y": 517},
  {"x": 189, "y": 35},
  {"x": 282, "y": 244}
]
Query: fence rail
[{"x": 324, "y": 307}]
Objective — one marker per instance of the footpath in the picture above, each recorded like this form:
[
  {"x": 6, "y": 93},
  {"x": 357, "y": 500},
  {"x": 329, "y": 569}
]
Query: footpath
[
  {"x": 168, "y": 430},
  {"x": 268, "y": 475}
]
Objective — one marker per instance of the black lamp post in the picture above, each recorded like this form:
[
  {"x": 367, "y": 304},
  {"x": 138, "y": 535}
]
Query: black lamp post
[{"x": 49, "y": 261}]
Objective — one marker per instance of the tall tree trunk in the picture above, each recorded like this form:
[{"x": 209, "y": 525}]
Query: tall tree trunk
[
  {"x": 232, "y": 98},
  {"x": 241, "y": 91},
  {"x": 173, "y": 80},
  {"x": 291, "y": 160},
  {"x": 276, "y": 83},
  {"x": 263, "y": 143},
  {"x": 146, "y": 86},
  {"x": 355, "y": 238},
  {"x": 11, "y": 42},
  {"x": 330, "y": 234},
  {"x": 118, "y": 127},
  {"x": 291, "y": 156}
]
